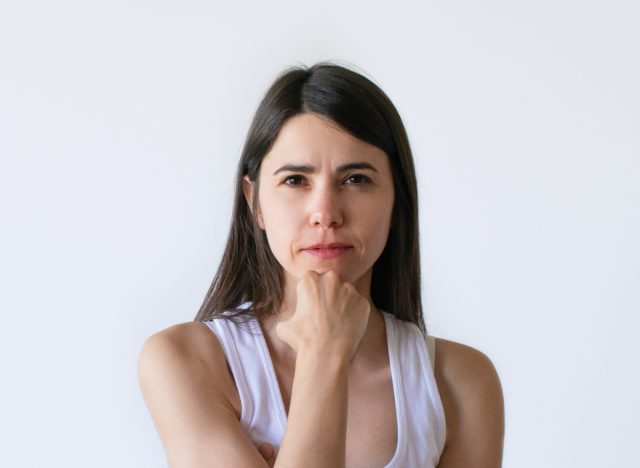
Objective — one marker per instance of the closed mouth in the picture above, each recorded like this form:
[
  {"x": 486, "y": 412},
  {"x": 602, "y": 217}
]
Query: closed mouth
[{"x": 328, "y": 252}]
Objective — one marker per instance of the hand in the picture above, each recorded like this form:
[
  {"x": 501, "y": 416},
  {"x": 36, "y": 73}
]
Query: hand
[
  {"x": 268, "y": 453},
  {"x": 329, "y": 313}
]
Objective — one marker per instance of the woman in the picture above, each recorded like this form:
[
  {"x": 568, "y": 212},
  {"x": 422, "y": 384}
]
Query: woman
[{"x": 309, "y": 349}]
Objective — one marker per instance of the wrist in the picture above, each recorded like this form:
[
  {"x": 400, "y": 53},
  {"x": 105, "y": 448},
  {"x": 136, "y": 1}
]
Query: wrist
[{"x": 325, "y": 354}]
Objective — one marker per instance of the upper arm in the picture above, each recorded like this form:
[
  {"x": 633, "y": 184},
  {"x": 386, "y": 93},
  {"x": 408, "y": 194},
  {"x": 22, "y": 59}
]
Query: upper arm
[
  {"x": 474, "y": 407},
  {"x": 183, "y": 377}
]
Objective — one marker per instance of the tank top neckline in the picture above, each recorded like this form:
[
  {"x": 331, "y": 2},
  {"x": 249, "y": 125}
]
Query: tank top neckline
[{"x": 396, "y": 378}]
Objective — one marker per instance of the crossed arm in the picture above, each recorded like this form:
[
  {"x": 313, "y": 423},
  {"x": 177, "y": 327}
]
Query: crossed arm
[{"x": 185, "y": 383}]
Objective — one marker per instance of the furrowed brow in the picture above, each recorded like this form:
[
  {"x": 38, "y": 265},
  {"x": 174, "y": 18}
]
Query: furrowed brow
[
  {"x": 306, "y": 169},
  {"x": 356, "y": 165},
  {"x": 296, "y": 168}
]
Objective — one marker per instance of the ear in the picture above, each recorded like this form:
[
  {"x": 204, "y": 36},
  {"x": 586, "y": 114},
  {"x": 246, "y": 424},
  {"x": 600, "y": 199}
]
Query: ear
[{"x": 247, "y": 188}]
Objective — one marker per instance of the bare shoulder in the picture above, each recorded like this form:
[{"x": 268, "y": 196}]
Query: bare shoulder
[
  {"x": 189, "y": 339},
  {"x": 189, "y": 348},
  {"x": 472, "y": 397},
  {"x": 463, "y": 365},
  {"x": 188, "y": 389},
  {"x": 192, "y": 351}
]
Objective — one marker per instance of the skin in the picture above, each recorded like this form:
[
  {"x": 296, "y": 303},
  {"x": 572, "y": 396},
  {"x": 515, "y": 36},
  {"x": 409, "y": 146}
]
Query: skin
[
  {"x": 322, "y": 205},
  {"x": 327, "y": 342},
  {"x": 335, "y": 189}
]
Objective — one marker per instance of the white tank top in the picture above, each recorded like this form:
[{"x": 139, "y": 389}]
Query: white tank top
[{"x": 419, "y": 412}]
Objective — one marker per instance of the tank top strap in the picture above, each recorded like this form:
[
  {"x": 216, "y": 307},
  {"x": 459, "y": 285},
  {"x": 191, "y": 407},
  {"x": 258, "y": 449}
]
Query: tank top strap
[
  {"x": 262, "y": 416},
  {"x": 228, "y": 340},
  {"x": 422, "y": 407},
  {"x": 431, "y": 348}
]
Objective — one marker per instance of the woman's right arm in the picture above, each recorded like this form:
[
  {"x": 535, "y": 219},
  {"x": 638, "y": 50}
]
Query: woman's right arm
[{"x": 316, "y": 431}]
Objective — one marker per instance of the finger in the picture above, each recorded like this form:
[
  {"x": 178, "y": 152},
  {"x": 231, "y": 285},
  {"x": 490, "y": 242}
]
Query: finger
[
  {"x": 268, "y": 453},
  {"x": 266, "y": 449}
]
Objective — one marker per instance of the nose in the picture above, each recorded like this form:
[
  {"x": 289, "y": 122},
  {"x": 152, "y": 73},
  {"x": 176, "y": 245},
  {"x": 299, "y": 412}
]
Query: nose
[{"x": 325, "y": 208}]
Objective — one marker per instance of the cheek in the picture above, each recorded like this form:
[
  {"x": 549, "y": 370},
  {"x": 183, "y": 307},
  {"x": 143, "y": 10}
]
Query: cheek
[
  {"x": 279, "y": 227},
  {"x": 377, "y": 226},
  {"x": 381, "y": 232},
  {"x": 279, "y": 243}
]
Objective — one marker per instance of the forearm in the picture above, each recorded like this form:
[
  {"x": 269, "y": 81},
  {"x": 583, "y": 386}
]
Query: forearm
[{"x": 315, "y": 436}]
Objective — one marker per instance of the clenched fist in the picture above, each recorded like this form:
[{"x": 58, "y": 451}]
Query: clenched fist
[{"x": 330, "y": 315}]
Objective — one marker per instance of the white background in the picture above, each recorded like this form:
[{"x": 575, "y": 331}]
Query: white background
[{"x": 121, "y": 124}]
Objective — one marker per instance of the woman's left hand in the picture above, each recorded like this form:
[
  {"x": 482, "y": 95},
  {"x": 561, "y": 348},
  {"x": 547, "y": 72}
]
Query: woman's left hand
[{"x": 268, "y": 453}]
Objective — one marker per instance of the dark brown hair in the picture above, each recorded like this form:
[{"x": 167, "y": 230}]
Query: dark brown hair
[{"x": 248, "y": 270}]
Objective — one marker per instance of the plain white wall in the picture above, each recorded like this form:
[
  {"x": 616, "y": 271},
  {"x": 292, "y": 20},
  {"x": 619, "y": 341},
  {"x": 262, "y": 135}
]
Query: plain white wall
[{"x": 121, "y": 124}]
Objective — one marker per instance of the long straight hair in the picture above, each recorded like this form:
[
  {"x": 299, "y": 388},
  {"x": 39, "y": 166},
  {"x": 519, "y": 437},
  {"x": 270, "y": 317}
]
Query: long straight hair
[{"x": 248, "y": 271}]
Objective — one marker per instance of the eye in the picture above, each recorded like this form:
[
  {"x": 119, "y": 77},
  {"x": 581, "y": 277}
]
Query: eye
[
  {"x": 293, "y": 180},
  {"x": 358, "y": 179}
]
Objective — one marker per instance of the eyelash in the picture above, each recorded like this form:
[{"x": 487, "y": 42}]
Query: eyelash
[{"x": 365, "y": 179}]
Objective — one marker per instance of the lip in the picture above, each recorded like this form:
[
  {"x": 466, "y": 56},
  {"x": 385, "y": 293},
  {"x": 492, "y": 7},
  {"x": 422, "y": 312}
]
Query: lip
[
  {"x": 333, "y": 245},
  {"x": 327, "y": 250}
]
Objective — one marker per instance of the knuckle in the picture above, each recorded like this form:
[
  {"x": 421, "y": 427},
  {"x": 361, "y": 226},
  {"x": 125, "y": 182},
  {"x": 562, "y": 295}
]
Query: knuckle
[{"x": 306, "y": 278}]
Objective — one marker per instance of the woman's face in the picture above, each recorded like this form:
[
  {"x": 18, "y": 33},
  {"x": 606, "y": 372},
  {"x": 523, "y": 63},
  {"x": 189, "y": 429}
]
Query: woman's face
[{"x": 319, "y": 185}]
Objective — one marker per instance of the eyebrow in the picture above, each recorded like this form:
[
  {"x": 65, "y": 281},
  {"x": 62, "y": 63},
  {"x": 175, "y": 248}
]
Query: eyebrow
[{"x": 307, "y": 169}]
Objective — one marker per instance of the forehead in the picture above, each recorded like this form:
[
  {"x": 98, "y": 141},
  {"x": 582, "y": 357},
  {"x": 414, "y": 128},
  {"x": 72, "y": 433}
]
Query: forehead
[{"x": 314, "y": 139}]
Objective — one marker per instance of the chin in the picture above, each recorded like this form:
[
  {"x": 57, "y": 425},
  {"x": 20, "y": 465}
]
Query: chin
[{"x": 345, "y": 277}]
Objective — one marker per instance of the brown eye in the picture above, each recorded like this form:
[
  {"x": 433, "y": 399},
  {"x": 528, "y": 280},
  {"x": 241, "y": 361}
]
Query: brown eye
[
  {"x": 358, "y": 179},
  {"x": 293, "y": 180}
]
